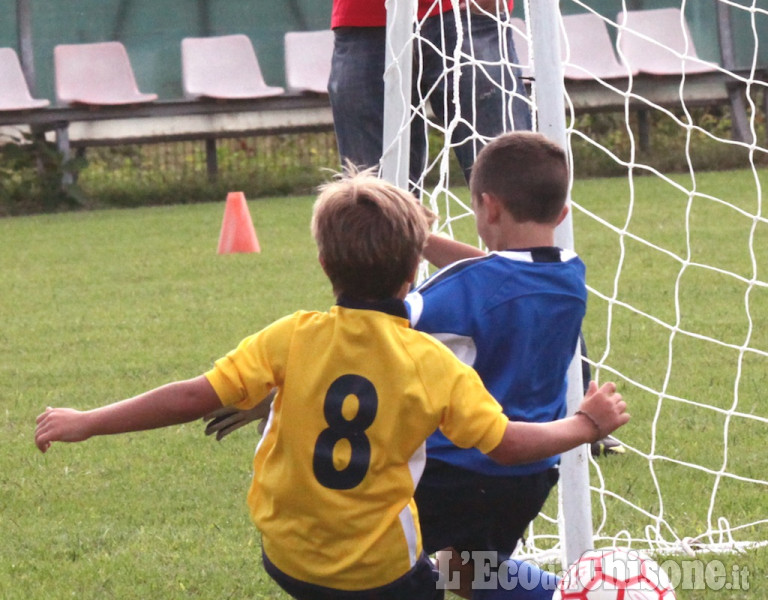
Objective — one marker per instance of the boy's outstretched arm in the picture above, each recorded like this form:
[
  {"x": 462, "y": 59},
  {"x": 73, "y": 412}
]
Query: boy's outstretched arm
[
  {"x": 170, "y": 404},
  {"x": 442, "y": 251},
  {"x": 601, "y": 412}
]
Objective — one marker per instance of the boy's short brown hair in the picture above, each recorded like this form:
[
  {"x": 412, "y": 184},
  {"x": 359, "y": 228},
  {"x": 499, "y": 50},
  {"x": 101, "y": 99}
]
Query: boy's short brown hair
[
  {"x": 527, "y": 172},
  {"x": 369, "y": 234}
]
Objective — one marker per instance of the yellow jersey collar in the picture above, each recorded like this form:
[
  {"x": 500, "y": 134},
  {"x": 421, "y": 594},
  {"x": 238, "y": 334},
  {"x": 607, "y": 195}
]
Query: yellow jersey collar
[{"x": 390, "y": 306}]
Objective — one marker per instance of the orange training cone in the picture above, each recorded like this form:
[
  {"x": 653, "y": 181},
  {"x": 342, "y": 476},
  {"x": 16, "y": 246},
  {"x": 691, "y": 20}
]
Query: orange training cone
[{"x": 237, "y": 231}]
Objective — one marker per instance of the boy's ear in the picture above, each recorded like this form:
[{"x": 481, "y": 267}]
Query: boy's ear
[
  {"x": 563, "y": 214},
  {"x": 408, "y": 283},
  {"x": 493, "y": 207}
]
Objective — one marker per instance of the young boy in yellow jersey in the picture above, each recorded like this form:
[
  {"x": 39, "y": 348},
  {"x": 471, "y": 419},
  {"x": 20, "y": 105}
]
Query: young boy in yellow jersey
[{"x": 358, "y": 393}]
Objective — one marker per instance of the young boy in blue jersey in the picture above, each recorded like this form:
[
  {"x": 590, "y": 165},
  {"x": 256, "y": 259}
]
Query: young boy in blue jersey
[
  {"x": 514, "y": 315},
  {"x": 358, "y": 393}
]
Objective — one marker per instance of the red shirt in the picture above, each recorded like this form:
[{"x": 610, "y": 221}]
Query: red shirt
[{"x": 372, "y": 13}]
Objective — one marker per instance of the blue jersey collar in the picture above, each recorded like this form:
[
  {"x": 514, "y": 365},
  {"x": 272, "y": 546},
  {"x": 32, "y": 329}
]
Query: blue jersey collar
[{"x": 541, "y": 253}]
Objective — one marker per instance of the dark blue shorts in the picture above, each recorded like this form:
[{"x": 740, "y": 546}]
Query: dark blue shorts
[
  {"x": 420, "y": 583},
  {"x": 472, "y": 511}
]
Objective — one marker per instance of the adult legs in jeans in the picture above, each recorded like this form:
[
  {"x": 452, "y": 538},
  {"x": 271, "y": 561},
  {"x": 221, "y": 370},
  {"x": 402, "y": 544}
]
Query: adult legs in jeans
[
  {"x": 488, "y": 85},
  {"x": 356, "y": 91},
  {"x": 485, "y": 94}
]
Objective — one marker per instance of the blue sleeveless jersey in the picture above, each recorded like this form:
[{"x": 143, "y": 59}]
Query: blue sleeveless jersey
[{"x": 515, "y": 317}]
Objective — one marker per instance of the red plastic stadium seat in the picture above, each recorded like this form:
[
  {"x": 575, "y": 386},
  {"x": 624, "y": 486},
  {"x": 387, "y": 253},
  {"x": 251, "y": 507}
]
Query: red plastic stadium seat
[
  {"x": 308, "y": 60},
  {"x": 658, "y": 42},
  {"x": 14, "y": 92},
  {"x": 96, "y": 74},
  {"x": 223, "y": 67}
]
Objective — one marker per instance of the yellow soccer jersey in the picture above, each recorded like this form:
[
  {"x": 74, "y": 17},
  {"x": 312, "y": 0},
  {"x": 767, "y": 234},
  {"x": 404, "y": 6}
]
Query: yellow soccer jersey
[{"x": 336, "y": 469}]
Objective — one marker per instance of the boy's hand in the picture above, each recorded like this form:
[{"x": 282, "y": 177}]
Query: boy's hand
[
  {"x": 60, "y": 425},
  {"x": 605, "y": 409},
  {"x": 227, "y": 419}
]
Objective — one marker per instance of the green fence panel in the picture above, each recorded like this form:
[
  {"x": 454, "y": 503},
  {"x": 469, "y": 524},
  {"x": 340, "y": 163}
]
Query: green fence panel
[{"x": 152, "y": 31}]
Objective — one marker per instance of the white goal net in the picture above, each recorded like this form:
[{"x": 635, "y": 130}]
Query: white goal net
[{"x": 661, "y": 106}]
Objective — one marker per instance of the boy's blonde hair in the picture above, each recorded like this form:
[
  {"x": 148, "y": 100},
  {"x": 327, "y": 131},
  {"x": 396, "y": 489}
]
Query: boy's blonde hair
[
  {"x": 369, "y": 234},
  {"x": 527, "y": 172}
]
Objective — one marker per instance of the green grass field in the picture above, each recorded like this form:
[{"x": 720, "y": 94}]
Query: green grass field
[{"x": 99, "y": 306}]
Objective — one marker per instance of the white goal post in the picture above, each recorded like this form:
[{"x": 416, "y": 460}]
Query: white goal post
[{"x": 678, "y": 303}]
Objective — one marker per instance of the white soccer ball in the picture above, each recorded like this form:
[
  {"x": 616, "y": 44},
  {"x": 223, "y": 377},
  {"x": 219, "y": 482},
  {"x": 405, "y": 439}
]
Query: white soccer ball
[{"x": 614, "y": 574}]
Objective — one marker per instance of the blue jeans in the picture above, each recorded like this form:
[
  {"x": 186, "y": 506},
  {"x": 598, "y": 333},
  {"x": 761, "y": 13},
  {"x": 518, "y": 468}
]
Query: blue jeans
[{"x": 356, "y": 89}]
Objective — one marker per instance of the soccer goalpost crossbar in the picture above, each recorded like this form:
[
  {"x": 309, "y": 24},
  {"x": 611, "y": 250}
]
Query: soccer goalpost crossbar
[{"x": 677, "y": 309}]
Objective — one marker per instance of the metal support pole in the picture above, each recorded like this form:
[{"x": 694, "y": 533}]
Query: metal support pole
[
  {"x": 739, "y": 122},
  {"x": 26, "y": 47},
  {"x": 211, "y": 159}
]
